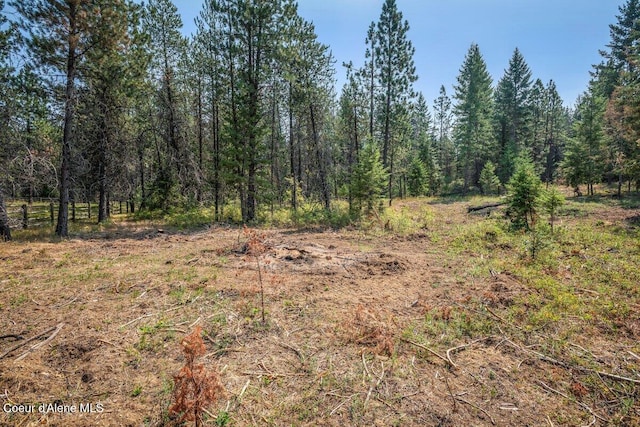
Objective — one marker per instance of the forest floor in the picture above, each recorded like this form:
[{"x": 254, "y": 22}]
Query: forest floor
[{"x": 441, "y": 318}]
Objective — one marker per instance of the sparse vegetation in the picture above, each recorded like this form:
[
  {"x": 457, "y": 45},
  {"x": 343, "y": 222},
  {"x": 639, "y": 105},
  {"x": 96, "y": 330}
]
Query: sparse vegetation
[{"x": 362, "y": 324}]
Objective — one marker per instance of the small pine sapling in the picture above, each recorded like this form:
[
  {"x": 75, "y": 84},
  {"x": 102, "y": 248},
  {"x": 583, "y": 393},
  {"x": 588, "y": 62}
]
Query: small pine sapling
[
  {"x": 551, "y": 202},
  {"x": 196, "y": 387},
  {"x": 489, "y": 181},
  {"x": 525, "y": 189}
]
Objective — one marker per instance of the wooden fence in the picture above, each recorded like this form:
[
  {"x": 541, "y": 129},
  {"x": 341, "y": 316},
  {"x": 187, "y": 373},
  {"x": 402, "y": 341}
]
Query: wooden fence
[{"x": 44, "y": 212}]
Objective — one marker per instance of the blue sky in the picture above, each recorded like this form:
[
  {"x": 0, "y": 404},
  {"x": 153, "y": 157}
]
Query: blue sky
[{"x": 559, "y": 39}]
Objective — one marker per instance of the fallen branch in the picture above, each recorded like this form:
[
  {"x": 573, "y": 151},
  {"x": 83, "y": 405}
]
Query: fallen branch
[
  {"x": 447, "y": 361},
  {"x": 35, "y": 337},
  {"x": 342, "y": 403},
  {"x": 478, "y": 408},
  {"x": 462, "y": 347},
  {"x": 41, "y": 344},
  {"x": 587, "y": 407},
  {"x": 551, "y": 360},
  {"x": 154, "y": 314}
]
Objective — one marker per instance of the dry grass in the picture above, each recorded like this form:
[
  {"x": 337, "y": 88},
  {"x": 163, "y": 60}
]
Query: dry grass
[{"x": 502, "y": 339}]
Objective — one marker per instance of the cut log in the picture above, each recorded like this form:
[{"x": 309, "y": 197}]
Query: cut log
[{"x": 479, "y": 208}]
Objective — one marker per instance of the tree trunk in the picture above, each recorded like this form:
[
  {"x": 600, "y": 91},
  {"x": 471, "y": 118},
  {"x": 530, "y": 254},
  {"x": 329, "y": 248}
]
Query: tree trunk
[
  {"x": 292, "y": 153},
  {"x": 62, "y": 226},
  {"x": 5, "y": 231},
  {"x": 326, "y": 193}
]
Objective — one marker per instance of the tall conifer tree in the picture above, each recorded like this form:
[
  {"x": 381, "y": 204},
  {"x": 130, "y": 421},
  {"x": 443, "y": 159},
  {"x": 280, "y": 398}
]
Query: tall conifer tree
[
  {"x": 396, "y": 75},
  {"x": 473, "y": 110}
]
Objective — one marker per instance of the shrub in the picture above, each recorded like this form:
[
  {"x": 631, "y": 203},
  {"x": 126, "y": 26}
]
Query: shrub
[{"x": 525, "y": 189}]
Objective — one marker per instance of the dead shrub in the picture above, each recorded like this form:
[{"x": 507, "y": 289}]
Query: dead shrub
[
  {"x": 196, "y": 387},
  {"x": 367, "y": 329}
]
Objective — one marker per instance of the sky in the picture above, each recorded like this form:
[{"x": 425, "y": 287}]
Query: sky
[{"x": 559, "y": 39}]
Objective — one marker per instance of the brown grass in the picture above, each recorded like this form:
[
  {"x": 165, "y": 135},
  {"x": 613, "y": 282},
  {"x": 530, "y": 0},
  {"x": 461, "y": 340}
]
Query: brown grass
[{"x": 533, "y": 343}]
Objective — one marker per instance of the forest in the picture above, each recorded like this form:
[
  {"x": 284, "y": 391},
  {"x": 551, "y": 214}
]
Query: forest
[
  {"x": 108, "y": 100},
  {"x": 206, "y": 231}
]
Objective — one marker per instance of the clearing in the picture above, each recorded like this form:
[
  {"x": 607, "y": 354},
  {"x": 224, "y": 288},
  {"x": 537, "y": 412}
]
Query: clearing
[{"x": 446, "y": 319}]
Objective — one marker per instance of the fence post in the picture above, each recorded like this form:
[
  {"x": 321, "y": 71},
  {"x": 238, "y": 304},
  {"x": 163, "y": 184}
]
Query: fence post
[
  {"x": 51, "y": 212},
  {"x": 25, "y": 216},
  {"x": 73, "y": 211},
  {"x": 89, "y": 209},
  {"x": 120, "y": 207}
]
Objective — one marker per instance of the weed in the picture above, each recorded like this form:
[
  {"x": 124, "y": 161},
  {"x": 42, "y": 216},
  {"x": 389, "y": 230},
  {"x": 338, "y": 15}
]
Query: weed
[
  {"x": 137, "y": 391},
  {"x": 222, "y": 419}
]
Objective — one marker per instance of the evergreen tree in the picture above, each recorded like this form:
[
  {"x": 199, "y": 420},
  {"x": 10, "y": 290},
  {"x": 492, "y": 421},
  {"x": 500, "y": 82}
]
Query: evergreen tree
[
  {"x": 114, "y": 69},
  {"x": 417, "y": 179},
  {"x": 552, "y": 200},
  {"x": 584, "y": 160},
  {"x": 512, "y": 112},
  {"x": 473, "y": 110},
  {"x": 58, "y": 41},
  {"x": 555, "y": 129},
  {"x": 489, "y": 181},
  {"x": 423, "y": 143},
  {"x": 616, "y": 79},
  {"x": 525, "y": 190},
  {"x": 444, "y": 145},
  {"x": 368, "y": 180},
  {"x": 396, "y": 75},
  {"x": 163, "y": 25},
  {"x": 352, "y": 119},
  {"x": 7, "y": 38}
]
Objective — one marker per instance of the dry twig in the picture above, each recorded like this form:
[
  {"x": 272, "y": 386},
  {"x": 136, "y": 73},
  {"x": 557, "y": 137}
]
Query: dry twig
[
  {"x": 585, "y": 406},
  {"x": 12, "y": 349},
  {"x": 41, "y": 344},
  {"x": 478, "y": 408},
  {"x": 447, "y": 361}
]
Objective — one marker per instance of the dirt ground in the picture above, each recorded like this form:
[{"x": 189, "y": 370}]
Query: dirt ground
[{"x": 344, "y": 341}]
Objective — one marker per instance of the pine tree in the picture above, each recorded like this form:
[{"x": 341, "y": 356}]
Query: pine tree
[
  {"x": 616, "y": 79},
  {"x": 525, "y": 190},
  {"x": 7, "y": 38},
  {"x": 512, "y": 112},
  {"x": 417, "y": 179},
  {"x": 114, "y": 69},
  {"x": 352, "y": 125},
  {"x": 396, "y": 75},
  {"x": 442, "y": 124},
  {"x": 473, "y": 110},
  {"x": 368, "y": 180},
  {"x": 58, "y": 40},
  {"x": 173, "y": 179},
  {"x": 424, "y": 143},
  {"x": 584, "y": 158},
  {"x": 555, "y": 129},
  {"x": 489, "y": 181}
]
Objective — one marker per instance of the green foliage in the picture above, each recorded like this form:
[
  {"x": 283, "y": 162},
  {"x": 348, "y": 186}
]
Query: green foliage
[
  {"x": 525, "y": 189},
  {"x": 489, "y": 181},
  {"x": 368, "y": 180},
  {"x": 473, "y": 133},
  {"x": 512, "y": 107},
  {"x": 585, "y": 157},
  {"x": 552, "y": 200},
  {"x": 417, "y": 179},
  {"x": 396, "y": 74}
]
